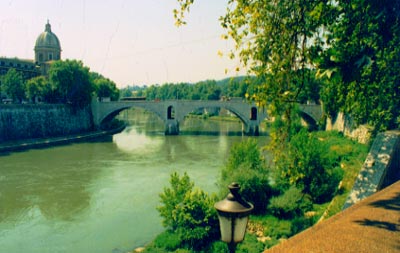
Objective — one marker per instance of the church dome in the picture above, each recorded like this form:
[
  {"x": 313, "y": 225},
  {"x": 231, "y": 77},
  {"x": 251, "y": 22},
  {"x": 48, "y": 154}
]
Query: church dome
[
  {"x": 47, "y": 46},
  {"x": 47, "y": 39}
]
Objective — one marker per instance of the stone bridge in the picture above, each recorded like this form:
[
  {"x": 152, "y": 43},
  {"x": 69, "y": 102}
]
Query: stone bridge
[{"x": 172, "y": 112}]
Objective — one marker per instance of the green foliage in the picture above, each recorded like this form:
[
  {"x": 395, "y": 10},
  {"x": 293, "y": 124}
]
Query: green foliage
[
  {"x": 189, "y": 213},
  {"x": 168, "y": 240},
  {"x": 219, "y": 247},
  {"x": 305, "y": 165},
  {"x": 125, "y": 92},
  {"x": 203, "y": 90},
  {"x": 172, "y": 197},
  {"x": 250, "y": 245},
  {"x": 13, "y": 84},
  {"x": 154, "y": 249},
  {"x": 353, "y": 45},
  {"x": 292, "y": 203},
  {"x": 72, "y": 82},
  {"x": 38, "y": 87},
  {"x": 104, "y": 87},
  {"x": 275, "y": 227},
  {"x": 301, "y": 223},
  {"x": 245, "y": 153},
  {"x": 245, "y": 166},
  {"x": 197, "y": 220},
  {"x": 363, "y": 59}
]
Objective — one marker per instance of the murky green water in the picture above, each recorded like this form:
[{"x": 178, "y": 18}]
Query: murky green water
[{"x": 101, "y": 196}]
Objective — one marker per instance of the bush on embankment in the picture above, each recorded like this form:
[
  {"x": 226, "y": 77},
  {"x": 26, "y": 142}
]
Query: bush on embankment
[{"x": 285, "y": 205}]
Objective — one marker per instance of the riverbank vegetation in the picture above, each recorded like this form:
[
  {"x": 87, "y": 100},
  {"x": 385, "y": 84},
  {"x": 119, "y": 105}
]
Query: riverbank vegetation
[
  {"x": 283, "y": 207},
  {"x": 343, "y": 54}
]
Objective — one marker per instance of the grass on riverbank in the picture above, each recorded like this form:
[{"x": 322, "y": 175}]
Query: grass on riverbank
[{"x": 352, "y": 156}]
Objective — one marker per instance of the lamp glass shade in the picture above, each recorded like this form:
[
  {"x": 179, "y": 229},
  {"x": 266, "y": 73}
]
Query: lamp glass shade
[{"x": 238, "y": 224}]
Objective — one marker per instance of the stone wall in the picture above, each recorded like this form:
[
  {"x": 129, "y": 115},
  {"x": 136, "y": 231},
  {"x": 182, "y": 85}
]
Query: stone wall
[
  {"x": 345, "y": 124},
  {"x": 42, "y": 121},
  {"x": 381, "y": 167}
]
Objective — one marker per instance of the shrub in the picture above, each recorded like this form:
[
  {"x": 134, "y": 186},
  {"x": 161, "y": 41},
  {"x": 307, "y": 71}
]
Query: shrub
[
  {"x": 308, "y": 168},
  {"x": 255, "y": 187},
  {"x": 189, "y": 214},
  {"x": 275, "y": 227},
  {"x": 290, "y": 204},
  {"x": 245, "y": 166},
  {"x": 324, "y": 187},
  {"x": 197, "y": 220},
  {"x": 301, "y": 223},
  {"x": 173, "y": 197},
  {"x": 219, "y": 247},
  {"x": 250, "y": 245}
]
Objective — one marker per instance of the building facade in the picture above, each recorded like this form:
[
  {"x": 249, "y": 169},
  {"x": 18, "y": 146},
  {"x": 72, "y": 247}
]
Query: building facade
[{"x": 47, "y": 48}]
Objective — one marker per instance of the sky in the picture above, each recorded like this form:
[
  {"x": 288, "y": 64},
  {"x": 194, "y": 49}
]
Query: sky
[{"x": 132, "y": 42}]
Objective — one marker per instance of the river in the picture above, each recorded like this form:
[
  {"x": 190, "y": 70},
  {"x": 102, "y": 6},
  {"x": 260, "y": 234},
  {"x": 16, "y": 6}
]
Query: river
[{"x": 101, "y": 196}]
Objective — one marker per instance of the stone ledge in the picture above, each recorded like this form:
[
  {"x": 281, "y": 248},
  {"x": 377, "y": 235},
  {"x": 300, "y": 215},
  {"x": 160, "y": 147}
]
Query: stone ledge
[{"x": 380, "y": 169}]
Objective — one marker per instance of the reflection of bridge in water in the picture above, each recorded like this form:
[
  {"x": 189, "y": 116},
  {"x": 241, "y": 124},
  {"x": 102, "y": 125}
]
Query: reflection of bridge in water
[{"x": 172, "y": 112}]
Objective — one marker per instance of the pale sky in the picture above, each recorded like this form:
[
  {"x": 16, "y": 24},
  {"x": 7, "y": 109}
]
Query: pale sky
[{"x": 129, "y": 41}]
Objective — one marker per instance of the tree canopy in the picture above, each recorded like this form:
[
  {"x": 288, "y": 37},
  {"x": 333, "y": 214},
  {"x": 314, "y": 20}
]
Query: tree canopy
[
  {"x": 352, "y": 46},
  {"x": 37, "y": 87},
  {"x": 13, "y": 84},
  {"x": 72, "y": 81},
  {"x": 104, "y": 87},
  {"x": 363, "y": 61}
]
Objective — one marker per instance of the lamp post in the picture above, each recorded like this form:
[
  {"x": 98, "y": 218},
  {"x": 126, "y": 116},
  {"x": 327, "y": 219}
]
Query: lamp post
[{"x": 233, "y": 215}]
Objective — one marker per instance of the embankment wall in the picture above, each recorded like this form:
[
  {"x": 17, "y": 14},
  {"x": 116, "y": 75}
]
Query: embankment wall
[
  {"x": 26, "y": 121},
  {"x": 381, "y": 167},
  {"x": 345, "y": 124}
]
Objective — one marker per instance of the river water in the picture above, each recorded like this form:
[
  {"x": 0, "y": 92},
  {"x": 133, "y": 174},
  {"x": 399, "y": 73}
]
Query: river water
[{"x": 101, "y": 196}]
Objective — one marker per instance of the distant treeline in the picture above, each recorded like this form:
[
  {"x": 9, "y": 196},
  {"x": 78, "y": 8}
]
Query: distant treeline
[{"x": 242, "y": 86}]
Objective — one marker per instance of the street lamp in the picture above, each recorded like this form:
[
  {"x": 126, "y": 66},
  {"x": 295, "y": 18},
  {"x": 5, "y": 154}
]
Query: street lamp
[{"x": 233, "y": 215}]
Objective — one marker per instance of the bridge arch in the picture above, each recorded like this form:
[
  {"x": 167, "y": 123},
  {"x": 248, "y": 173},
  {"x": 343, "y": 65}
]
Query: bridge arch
[
  {"x": 248, "y": 114},
  {"x": 106, "y": 111},
  {"x": 309, "y": 120},
  {"x": 172, "y": 112}
]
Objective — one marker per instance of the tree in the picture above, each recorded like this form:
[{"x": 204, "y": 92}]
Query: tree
[
  {"x": 274, "y": 41},
  {"x": 37, "y": 87},
  {"x": 13, "y": 84},
  {"x": 189, "y": 213},
  {"x": 72, "y": 81},
  {"x": 172, "y": 197},
  {"x": 104, "y": 87},
  {"x": 363, "y": 62},
  {"x": 125, "y": 92}
]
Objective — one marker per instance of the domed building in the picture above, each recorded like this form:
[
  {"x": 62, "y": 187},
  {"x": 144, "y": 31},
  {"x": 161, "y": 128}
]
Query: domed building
[{"x": 47, "y": 46}]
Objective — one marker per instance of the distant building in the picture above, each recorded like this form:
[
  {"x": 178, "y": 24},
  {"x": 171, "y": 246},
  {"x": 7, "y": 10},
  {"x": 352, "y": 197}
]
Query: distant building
[
  {"x": 28, "y": 67},
  {"x": 47, "y": 48}
]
